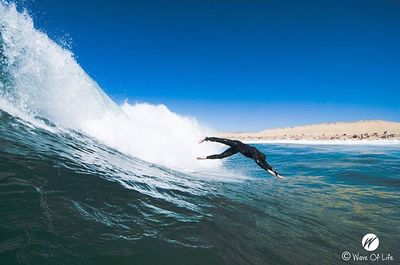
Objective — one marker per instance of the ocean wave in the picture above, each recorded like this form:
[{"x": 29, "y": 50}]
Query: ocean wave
[{"x": 42, "y": 79}]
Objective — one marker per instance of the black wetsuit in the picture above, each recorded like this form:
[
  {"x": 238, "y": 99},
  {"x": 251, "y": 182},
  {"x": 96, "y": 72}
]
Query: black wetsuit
[{"x": 245, "y": 149}]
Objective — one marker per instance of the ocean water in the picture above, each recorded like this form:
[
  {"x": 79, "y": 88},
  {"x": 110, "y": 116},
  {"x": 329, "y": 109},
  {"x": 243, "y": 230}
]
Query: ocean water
[
  {"x": 84, "y": 180},
  {"x": 68, "y": 199}
]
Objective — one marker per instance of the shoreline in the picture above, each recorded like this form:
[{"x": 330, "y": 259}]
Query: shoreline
[
  {"x": 373, "y": 132},
  {"x": 325, "y": 142}
]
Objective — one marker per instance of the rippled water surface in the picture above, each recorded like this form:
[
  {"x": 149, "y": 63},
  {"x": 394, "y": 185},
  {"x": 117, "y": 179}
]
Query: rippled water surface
[{"x": 67, "y": 199}]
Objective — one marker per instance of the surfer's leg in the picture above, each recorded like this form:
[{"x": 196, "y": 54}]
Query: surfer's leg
[
  {"x": 226, "y": 153},
  {"x": 264, "y": 165}
]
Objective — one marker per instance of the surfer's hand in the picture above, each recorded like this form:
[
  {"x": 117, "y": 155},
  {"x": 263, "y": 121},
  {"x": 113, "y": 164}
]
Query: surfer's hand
[
  {"x": 202, "y": 140},
  {"x": 201, "y": 158}
]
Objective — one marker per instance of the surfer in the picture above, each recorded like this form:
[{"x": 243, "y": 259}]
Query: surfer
[{"x": 245, "y": 149}]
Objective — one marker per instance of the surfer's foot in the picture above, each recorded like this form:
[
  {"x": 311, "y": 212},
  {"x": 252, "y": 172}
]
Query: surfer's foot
[
  {"x": 201, "y": 158},
  {"x": 280, "y": 177}
]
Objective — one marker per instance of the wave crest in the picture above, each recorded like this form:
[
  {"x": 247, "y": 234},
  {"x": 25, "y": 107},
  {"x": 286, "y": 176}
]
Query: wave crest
[{"x": 43, "y": 79}]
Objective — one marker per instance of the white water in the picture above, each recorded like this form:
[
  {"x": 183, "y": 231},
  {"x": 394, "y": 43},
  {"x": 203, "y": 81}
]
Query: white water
[{"x": 48, "y": 82}]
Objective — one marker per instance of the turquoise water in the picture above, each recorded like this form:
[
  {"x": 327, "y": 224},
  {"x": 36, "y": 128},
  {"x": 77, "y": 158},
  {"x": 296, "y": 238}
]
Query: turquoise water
[{"x": 67, "y": 199}]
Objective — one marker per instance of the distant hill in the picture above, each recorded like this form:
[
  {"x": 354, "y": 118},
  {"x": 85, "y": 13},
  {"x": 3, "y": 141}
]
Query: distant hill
[{"x": 365, "y": 130}]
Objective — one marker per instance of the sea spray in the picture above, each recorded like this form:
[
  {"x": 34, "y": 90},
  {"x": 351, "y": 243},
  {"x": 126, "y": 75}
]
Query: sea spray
[{"x": 43, "y": 79}]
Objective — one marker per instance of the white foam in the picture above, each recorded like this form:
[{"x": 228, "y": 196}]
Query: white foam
[
  {"x": 155, "y": 134},
  {"x": 25, "y": 117},
  {"x": 48, "y": 82}
]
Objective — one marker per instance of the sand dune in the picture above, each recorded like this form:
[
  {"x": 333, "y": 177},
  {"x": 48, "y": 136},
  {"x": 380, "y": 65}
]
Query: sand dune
[{"x": 358, "y": 130}]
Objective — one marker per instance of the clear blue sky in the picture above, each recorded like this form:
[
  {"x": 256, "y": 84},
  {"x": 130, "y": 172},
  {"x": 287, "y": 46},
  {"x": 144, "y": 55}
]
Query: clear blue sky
[{"x": 239, "y": 65}]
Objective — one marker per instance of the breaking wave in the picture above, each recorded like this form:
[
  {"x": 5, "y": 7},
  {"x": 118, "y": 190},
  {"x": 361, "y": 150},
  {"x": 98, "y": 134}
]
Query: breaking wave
[{"x": 39, "y": 78}]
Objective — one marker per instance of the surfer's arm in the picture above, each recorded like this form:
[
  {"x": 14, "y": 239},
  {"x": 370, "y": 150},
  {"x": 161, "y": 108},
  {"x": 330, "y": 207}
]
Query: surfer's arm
[
  {"x": 219, "y": 140},
  {"x": 226, "y": 153}
]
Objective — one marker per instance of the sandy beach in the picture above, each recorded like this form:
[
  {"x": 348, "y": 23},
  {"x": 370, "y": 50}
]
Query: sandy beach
[{"x": 373, "y": 132}]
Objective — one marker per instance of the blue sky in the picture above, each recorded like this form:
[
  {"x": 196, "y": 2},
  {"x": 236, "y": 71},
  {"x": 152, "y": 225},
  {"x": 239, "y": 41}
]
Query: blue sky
[{"x": 239, "y": 65}]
